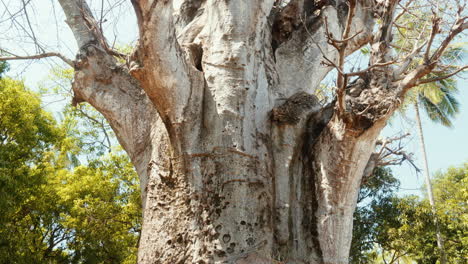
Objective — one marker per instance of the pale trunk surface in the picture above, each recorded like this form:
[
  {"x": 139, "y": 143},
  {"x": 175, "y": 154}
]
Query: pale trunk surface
[{"x": 238, "y": 161}]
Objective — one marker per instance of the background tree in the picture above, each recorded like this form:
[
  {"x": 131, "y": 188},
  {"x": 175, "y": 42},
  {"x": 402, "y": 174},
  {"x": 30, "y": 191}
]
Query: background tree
[
  {"x": 27, "y": 135},
  {"x": 389, "y": 228},
  {"x": 375, "y": 192},
  {"x": 237, "y": 160},
  {"x": 439, "y": 102},
  {"x": 56, "y": 208}
]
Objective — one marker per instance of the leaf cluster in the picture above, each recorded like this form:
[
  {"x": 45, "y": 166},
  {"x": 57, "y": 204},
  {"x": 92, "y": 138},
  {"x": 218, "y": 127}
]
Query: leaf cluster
[
  {"x": 56, "y": 209},
  {"x": 395, "y": 228}
]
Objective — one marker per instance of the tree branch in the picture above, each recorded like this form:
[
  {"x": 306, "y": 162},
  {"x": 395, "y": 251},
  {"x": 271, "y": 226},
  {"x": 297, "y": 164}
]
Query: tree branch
[
  {"x": 107, "y": 86},
  {"x": 159, "y": 62},
  {"x": 341, "y": 46},
  {"x": 121, "y": 101},
  {"x": 405, "y": 9},
  {"x": 366, "y": 70},
  {"x": 459, "y": 26},
  {"x": 435, "y": 30},
  {"x": 435, "y": 79},
  {"x": 39, "y": 56},
  {"x": 413, "y": 78},
  {"x": 75, "y": 12}
]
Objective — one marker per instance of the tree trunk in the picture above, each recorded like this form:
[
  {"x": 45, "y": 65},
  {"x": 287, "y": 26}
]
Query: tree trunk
[
  {"x": 427, "y": 177},
  {"x": 238, "y": 161}
]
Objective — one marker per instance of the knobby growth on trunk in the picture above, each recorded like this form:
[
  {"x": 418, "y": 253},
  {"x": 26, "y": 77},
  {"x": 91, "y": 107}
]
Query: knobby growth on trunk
[{"x": 238, "y": 160}]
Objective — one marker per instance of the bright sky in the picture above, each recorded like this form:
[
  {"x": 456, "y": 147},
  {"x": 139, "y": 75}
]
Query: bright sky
[{"x": 445, "y": 147}]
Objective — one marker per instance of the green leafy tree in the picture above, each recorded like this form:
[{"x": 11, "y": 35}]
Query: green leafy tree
[
  {"x": 436, "y": 97},
  {"x": 100, "y": 205},
  {"x": 391, "y": 229},
  {"x": 439, "y": 101},
  {"x": 451, "y": 193},
  {"x": 28, "y": 135},
  {"x": 3, "y": 67},
  {"x": 376, "y": 192},
  {"x": 56, "y": 209}
]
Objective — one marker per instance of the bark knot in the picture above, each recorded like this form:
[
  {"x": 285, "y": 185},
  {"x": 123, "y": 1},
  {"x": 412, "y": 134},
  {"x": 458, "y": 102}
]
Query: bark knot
[{"x": 292, "y": 111}]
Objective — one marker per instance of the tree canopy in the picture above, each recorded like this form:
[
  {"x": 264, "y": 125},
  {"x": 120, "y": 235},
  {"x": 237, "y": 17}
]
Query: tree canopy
[
  {"x": 395, "y": 228},
  {"x": 56, "y": 208}
]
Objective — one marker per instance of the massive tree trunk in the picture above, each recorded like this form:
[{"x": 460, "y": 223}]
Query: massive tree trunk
[{"x": 238, "y": 161}]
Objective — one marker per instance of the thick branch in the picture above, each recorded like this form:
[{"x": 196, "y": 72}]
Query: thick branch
[
  {"x": 115, "y": 94},
  {"x": 434, "y": 32},
  {"x": 160, "y": 63},
  {"x": 105, "y": 85},
  {"x": 459, "y": 26},
  {"x": 75, "y": 11}
]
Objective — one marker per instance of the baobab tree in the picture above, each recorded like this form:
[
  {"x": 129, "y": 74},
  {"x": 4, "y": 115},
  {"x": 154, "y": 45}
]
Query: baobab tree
[{"x": 238, "y": 161}]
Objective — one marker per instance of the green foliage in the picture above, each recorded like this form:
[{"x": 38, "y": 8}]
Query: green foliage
[
  {"x": 100, "y": 205},
  {"x": 27, "y": 134},
  {"x": 3, "y": 67},
  {"x": 451, "y": 194},
  {"x": 403, "y": 228},
  {"x": 438, "y": 98},
  {"x": 376, "y": 192},
  {"x": 55, "y": 210},
  {"x": 27, "y": 137}
]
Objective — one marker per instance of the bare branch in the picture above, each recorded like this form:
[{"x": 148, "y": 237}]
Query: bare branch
[
  {"x": 435, "y": 79},
  {"x": 341, "y": 46},
  {"x": 366, "y": 70},
  {"x": 459, "y": 26},
  {"x": 388, "y": 155},
  {"x": 39, "y": 56},
  {"x": 405, "y": 9},
  {"x": 349, "y": 20},
  {"x": 413, "y": 78},
  {"x": 435, "y": 30},
  {"x": 13, "y": 15},
  {"x": 30, "y": 27}
]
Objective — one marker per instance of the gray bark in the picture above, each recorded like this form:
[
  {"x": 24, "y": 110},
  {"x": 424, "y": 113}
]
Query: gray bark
[{"x": 238, "y": 161}]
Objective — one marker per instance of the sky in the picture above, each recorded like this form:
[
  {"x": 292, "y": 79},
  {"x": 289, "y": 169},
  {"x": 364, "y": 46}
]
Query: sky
[{"x": 445, "y": 146}]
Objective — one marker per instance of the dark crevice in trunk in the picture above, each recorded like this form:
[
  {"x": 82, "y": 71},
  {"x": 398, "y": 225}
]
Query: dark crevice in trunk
[
  {"x": 194, "y": 53},
  {"x": 315, "y": 125},
  {"x": 294, "y": 17},
  {"x": 292, "y": 110}
]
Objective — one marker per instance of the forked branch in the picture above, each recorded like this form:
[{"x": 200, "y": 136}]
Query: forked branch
[
  {"x": 414, "y": 77},
  {"x": 341, "y": 45}
]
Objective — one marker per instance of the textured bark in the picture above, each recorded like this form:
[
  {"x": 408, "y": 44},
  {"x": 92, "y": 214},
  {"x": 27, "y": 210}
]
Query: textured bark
[{"x": 238, "y": 161}]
